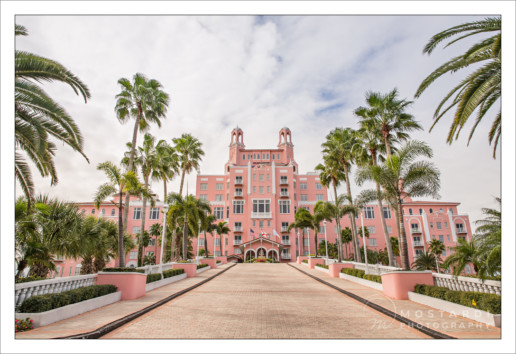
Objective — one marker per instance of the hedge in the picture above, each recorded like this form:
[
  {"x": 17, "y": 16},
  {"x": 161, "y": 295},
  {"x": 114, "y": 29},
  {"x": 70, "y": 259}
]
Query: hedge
[
  {"x": 199, "y": 266},
  {"x": 47, "y": 302},
  {"x": 491, "y": 303},
  {"x": 322, "y": 266},
  {"x": 27, "y": 279},
  {"x": 305, "y": 261},
  {"x": 125, "y": 269},
  {"x": 153, "y": 277},
  {"x": 219, "y": 261},
  {"x": 361, "y": 274},
  {"x": 172, "y": 272}
]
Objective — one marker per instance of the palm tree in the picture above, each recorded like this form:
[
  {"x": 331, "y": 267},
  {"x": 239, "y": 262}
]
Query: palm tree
[
  {"x": 346, "y": 237},
  {"x": 186, "y": 211},
  {"x": 436, "y": 247},
  {"x": 119, "y": 183},
  {"x": 464, "y": 253},
  {"x": 401, "y": 176},
  {"x": 207, "y": 225},
  {"x": 340, "y": 144},
  {"x": 38, "y": 116},
  {"x": 489, "y": 239},
  {"x": 189, "y": 153},
  {"x": 143, "y": 100},
  {"x": 155, "y": 230},
  {"x": 479, "y": 90},
  {"x": 320, "y": 214},
  {"x": 221, "y": 229},
  {"x": 302, "y": 220},
  {"x": 425, "y": 261}
]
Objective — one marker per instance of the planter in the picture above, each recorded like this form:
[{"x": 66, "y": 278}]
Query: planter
[
  {"x": 368, "y": 283},
  {"x": 396, "y": 285},
  {"x": 190, "y": 268},
  {"x": 62, "y": 313},
  {"x": 313, "y": 261},
  {"x": 223, "y": 259},
  {"x": 457, "y": 309},
  {"x": 335, "y": 268},
  {"x": 322, "y": 269},
  {"x": 202, "y": 270},
  {"x": 212, "y": 262},
  {"x": 163, "y": 282},
  {"x": 300, "y": 259},
  {"x": 131, "y": 284}
]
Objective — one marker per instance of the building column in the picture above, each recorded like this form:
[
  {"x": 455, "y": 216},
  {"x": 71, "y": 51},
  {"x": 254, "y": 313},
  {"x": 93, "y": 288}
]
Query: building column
[
  {"x": 452, "y": 226},
  {"x": 273, "y": 177},
  {"x": 249, "y": 178},
  {"x": 426, "y": 228}
]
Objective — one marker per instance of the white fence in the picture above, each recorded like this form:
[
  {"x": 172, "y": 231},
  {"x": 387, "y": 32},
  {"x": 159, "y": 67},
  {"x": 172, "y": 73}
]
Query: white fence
[
  {"x": 453, "y": 282},
  {"x": 155, "y": 268},
  {"x": 50, "y": 286},
  {"x": 376, "y": 269}
]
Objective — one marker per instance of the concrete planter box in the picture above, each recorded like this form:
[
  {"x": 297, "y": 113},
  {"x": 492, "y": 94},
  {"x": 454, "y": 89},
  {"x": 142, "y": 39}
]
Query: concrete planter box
[
  {"x": 190, "y": 268},
  {"x": 313, "y": 261},
  {"x": 163, "y": 282},
  {"x": 300, "y": 259},
  {"x": 457, "y": 309},
  {"x": 212, "y": 262},
  {"x": 368, "y": 283},
  {"x": 335, "y": 268},
  {"x": 223, "y": 259},
  {"x": 396, "y": 285},
  {"x": 322, "y": 269},
  {"x": 62, "y": 313},
  {"x": 305, "y": 264},
  {"x": 131, "y": 284},
  {"x": 202, "y": 270}
]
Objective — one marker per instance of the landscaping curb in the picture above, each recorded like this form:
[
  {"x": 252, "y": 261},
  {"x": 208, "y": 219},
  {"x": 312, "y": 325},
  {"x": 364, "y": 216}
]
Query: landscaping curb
[
  {"x": 428, "y": 331},
  {"x": 361, "y": 281},
  {"x": 159, "y": 283},
  {"x": 101, "y": 331}
]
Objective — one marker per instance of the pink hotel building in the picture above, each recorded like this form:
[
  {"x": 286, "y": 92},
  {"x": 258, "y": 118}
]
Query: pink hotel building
[{"x": 258, "y": 195}]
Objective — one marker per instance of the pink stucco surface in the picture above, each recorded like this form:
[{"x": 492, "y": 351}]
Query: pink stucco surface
[
  {"x": 223, "y": 259},
  {"x": 300, "y": 259},
  {"x": 313, "y": 261},
  {"x": 190, "y": 268},
  {"x": 397, "y": 284},
  {"x": 212, "y": 262},
  {"x": 335, "y": 268},
  {"x": 132, "y": 285}
]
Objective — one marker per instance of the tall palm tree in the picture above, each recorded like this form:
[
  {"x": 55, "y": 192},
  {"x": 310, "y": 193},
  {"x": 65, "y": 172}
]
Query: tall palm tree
[
  {"x": 463, "y": 254},
  {"x": 425, "y": 261},
  {"x": 146, "y": 102},
  {"x": 478, "y": 91},
  {"x": 320, "y": 214},
  {"x": 207, "y": 225},
  {"x": 488, "y": 236},
  {"x": 221, "y": 229},
  {"x": 302, "y": 220},
  {"x": 119, "y": 183},
  {"x": 346, "y": 239},
  {"x": 340, "y": 144},
  {"x": 189, "y": 150},
  {"x": 402, "y": 176},
  {"x": 38, "y": 116},
  {"x": 436, "y": 247}
]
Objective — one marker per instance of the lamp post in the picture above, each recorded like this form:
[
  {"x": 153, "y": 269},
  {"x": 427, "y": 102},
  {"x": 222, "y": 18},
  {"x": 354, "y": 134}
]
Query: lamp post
[
  {"x": 298, "y": 244},
  {"x": 309, "y": 251},
  {"x": 365, "y": 247},
  {"x": 325, "y": 240},
  {"x": 197, "y": 256},
  {"x": 163, "y": 236}
]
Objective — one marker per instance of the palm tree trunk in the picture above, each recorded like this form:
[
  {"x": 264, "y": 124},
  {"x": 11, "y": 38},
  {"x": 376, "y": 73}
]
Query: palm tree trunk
[
  {"x": 130, "y": 166},
  {"x": 182, "y": 182},
  {"x": 121, "y": 260},
  {"x": 339, "y": 233},
  {"x": 385, "y": 134},
  {"x": 164, "y": 239},
  {"x": 403, "y": 239},
  {"x": 351, "y": 218},
  {"x": 142, "y": 225},
  {"x": 173, "y": 246},
  {"x": 206, "y": 244},
  {"x": 185, "y": 236},
  {"x": 316, "y": 244}
]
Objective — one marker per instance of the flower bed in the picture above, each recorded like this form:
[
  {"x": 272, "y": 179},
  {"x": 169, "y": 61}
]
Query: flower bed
[
  {"x": 125, "y": 269},
  {"x": 23, "y": 325},
  {"x": 152, "y": 277},
  {"x": 361, "y": 274}
]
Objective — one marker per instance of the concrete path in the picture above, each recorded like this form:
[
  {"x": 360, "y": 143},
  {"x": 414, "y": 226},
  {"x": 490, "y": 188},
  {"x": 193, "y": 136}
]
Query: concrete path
[
  {"x": 263, "y": 301},
  {"x": 444, "y": 322}
]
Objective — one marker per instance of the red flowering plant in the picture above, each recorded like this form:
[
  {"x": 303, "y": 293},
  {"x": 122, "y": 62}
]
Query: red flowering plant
[{"x": 23, "y": 325}]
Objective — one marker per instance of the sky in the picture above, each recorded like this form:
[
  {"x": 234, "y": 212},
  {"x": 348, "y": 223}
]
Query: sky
[
  {"x": 258, "y": 72},
  {"x": 262, "y": 73}
]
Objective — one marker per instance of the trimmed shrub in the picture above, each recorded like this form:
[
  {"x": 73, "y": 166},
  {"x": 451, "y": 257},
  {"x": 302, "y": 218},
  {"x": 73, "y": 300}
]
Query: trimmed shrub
[
  {"x": 172, "y": 272},
  {"x": 199, "y": 266},
  {"x": 361, "y": 274},
  {"x": 491, "y": 303},
  {"x": 125, "y": 269},
  {"x": 219, "y": 261},
  {"x": 47, "y": 302},
  {"x": 305, "y": 260},
  {"x": 373, "y": 277},
  {"x": 322, "y": 266},
  {"x": 28, "y": 279},
  {"x": 153, "y": 277}
]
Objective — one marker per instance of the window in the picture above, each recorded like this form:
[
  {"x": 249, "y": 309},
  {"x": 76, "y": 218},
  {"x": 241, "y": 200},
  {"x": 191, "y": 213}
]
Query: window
[
  {"x": 268, "y": 189},
  {"x": 440, "y": 210},
  {"x": 284, "y": 206},
  {"x": 448, "y": 237},
  {"x": 268, "y": 177},
  {"x": 387, "y": 213},
  {"x": 243, "y": 157},
  {"x": 304, "y": 197},
  {"x": 238, "y": 226},
  {"x": 70, "y": 271},
  {"x": 238, "y": 192},
  {"x": 410, "y": 211},
  {"x": 112, "y": 212},
  {"x": 219, "y": 186},
  {"x": 254, "y": 176},
  {"x": 254, "y": 189},
  {"x": 78, "y": 269},
  {"x": 319, "y": 197},
  {"x": 226, "y": 245},
  {"x": 318, "y": 186},
  {"x": 260, "y": 224},
  {"x": 371, "y": 229},
  {"x": 204, "y": 186},
  {"x": 218, "y": 212},
  {"x": 303, "y": 186},
  {"x": 261, "y": 178},
  {"x": 417, "y": 240},
  {"x": 369, "y": 212},
  {"x": 306, "y": 241},
  {"x": 430, "y": 210},
  {"x": 444, "y": 253},
  {"x": 433, "y": 237},
  {"x": 389, "y": 230},
  {"x": 468, "y": 269},
  {"x": 261, "y": 190},
  {"x": 261, "y": 206},
  {"x": 237, "y": 240},
  {"x": 102, "y": 211},
  {"x": 419, "y": 252},
  {"x": 306, "y": 208},
  {"x": 278, "y": 157},
  {"x": 136, "y": 229},
  {"x": 201, "y": 242},
  {"x": 238, "y": 206},
  {"x": 295, "y": 196},
  {"x": 273, "y": 156},
  {"x": 83, "y": 211},
  {"x": 441, "y": 238},
  {"x": 133, "y": 255},
  {"x": 218, "y": 197},
  {"x": 217, "y": 242},
  {"x": 372, "y": 242},
  {"x": 451, "y": 211},
  {"x": 459, "y": 227},
  {"x": 227, "y": 212},
  {"x": 152, "y": 242},
  {"x": 254, "y": 223},
  {"x": 93, "y": 212},
  {"x": 445, "y": 225},
  {"x": 204, "y": 197},
  {"x": 238, "y": 179},
  {"x": 154, "y": 214},
  {"x": 439, "y": 225},
  {"x": 420, "y": 211},
  {"x": 431, "y": 225},
  {"x": 268, "y": 223},
  {"x": 414, "y": 227},
  {"x": 285, "y": 239},
  {"x": 137, "y": 213}
]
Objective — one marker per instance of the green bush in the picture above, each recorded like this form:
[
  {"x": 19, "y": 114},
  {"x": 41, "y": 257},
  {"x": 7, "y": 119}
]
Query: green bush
[
  {"x": 199, "y": 266},
  {"x": 153, "y": 277},
  {"x": 305, "y": 260},
  {"x": 361, "y": 274},
  {"x": 219, "y": 261},
  {"x": 47, "y": 302},
  {"x": 322, "y": 266},
  {"x": 172, "y": 272},
  {"x": 28, "y": 279},
  {"x": 372, "y": 277},
  {"x": 125, "y": 269},
  {"x": 491, "y": 303}
]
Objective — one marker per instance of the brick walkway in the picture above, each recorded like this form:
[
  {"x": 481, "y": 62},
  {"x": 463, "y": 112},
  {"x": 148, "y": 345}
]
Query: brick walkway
[{"x": 265, "y": 301}]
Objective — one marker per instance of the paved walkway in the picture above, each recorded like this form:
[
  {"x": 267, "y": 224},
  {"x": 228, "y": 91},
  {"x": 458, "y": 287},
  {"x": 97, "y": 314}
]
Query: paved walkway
[
  {"x": 262, "y": 301},
  {"x": 444, "y": 322}
]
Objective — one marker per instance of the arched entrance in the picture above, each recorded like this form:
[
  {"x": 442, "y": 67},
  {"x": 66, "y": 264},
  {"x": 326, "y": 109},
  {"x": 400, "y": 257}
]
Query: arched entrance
[
  {"x": 261, "y": 252},
  {"x": 273, "y": 254},
  {"x": 249, "y": 254}
]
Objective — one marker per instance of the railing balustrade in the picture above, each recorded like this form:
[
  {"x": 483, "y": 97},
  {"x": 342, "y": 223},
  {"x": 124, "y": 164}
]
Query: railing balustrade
[{"x": 453, "y": 282}]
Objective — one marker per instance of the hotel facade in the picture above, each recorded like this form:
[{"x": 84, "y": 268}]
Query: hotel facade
[{"x": 258, "y": 194}]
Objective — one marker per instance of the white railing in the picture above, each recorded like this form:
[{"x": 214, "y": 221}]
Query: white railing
[
  {"x": 285, "y": 242},
  {"x": 237, "y": 229},
  {"x": 418, "y": 243},
  {"x": 238, "y": 194},
  {"x": 453, "y": 282},
  {"x": 284, "y": 228},
  {"x": 51, "y": 286},
  {"x": 285, "y": 256},
  {"x": 376, "y": 269},
  {"x": 262, "y": 215},
  {"x": 283, "y": 194},
  {"x": 416, "y": 230},
  {"x": 154, "y": 268},
  {"x": 239, "y": 181},
  {"x": 237, "y": 242},
  {"x": 460, "y": 230},
  {"x": 283, "y": 181}
]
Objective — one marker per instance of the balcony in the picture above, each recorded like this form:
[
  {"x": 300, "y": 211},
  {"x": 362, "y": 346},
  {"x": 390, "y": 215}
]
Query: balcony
[
  {"x": 461, "y": 230},
  {"x": 416, "y": 230},
  {"x": 237, "y": 229},
  {"x": 239, "y": 182},
  {"x": 261, "y": 215},
  {"x": 239, "y": 194},
  {"x": 285, "y": 256},
  {"x": 284, "y": 194},
  {"x": 237, "y": 242},
  {"x": 283, "y": 181},
  {"x": 285, "y": 242},
  {"x": 418, "y": 244},
  {"x": 284, "y": 229}
]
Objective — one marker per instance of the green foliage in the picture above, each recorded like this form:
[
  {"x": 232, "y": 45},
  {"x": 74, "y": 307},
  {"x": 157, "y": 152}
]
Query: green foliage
[
  {"x": 172, "y": 272},
  {"x": 29, "y": 279},
  {"x": 322, "y": 266},
  {"x": 153, "y": 277},
  {"x": 199, "y": 266},
  {"x": 361, "y": 274},
  {"x": 491, "y": 303},
  {"x": 305, "y": 260},
  {"x": 124, "y": 269},
  {"x": 42, "y": 303},
  {"x": 149, "y": 259},
  {"x": 23, "y": 325}
]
